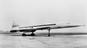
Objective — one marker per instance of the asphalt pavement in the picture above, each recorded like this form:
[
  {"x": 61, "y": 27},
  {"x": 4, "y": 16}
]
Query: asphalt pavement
[{"x": 41, "y": 40}]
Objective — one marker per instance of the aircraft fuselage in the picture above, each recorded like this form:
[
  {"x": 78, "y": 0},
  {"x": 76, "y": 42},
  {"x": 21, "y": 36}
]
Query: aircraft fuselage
[{"x": 23, "y": 30}]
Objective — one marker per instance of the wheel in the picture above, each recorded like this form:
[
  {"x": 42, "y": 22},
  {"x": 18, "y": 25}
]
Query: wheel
[{"x": 24, "y": 34}]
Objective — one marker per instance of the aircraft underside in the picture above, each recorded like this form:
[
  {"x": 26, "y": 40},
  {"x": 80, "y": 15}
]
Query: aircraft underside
[{"x": 32, "y": 34}]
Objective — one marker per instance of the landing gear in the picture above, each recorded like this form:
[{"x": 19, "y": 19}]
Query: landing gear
[
  {"x": 24, "y": 34},
  {"x": 48, "y": 31},
  {"x": 32, "y": 34}
]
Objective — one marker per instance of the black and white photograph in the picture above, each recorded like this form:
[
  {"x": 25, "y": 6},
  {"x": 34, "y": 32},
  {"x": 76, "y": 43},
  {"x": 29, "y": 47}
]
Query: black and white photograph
[{"x": 43, "y": 24}]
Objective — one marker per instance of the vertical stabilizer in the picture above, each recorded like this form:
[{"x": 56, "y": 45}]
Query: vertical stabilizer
[{"x": 14, "y": 25}]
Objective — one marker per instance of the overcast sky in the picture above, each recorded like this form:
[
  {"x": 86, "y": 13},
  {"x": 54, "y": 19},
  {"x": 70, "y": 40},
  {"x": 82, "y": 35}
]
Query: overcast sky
[{"x": 31, "y": 12}]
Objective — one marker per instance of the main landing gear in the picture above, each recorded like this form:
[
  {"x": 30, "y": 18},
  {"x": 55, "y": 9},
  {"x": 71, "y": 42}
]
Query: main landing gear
[
  {"x": 32, "y": 34},
  {"x": 48, "y": 31}
]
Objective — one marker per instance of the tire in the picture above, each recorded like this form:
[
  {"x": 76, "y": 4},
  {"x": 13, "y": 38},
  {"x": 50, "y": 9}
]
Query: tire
[{"x": 24, "y": 34}]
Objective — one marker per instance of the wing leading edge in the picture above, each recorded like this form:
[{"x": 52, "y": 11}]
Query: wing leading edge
[{"x": 58, "y": 27}]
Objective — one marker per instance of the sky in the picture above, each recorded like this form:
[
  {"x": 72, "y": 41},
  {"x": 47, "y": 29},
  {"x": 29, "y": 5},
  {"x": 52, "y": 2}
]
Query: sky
[{"x": 33, "y": 12}]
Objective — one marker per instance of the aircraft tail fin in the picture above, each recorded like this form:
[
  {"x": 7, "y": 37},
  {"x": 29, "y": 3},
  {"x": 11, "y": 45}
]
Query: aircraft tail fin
[{"x": 14, "y": 25}]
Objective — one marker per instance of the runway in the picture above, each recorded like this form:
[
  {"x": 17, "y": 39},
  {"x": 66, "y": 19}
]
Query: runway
[{"x": 41, "y": 40}]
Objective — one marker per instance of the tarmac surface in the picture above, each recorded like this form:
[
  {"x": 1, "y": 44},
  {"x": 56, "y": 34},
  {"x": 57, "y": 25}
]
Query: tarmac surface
[{"x": 41, "y": 40}]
